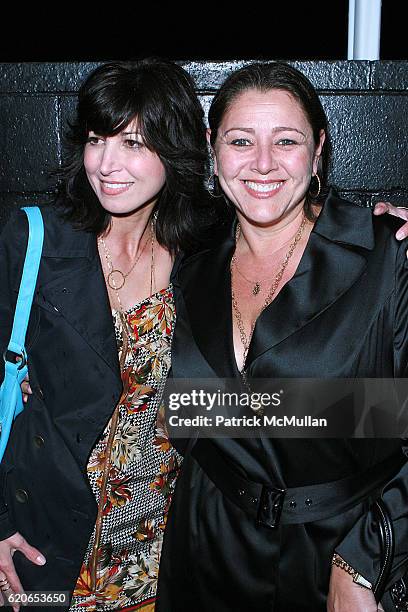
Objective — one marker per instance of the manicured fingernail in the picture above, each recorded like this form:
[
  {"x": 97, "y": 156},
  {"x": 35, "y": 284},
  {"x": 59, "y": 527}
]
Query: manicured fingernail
[
  {"x": 41, "y": 560},
  {"x": 399, "y": 235}
]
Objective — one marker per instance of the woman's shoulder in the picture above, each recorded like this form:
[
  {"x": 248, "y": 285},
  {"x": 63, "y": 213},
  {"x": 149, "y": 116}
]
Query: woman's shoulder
[
  {"x": 374, "y": 237},
  {"x": 61, "y": 238},
  {"x": 352, "y": 222},
  {"x": 208, "y": 248},
  {"x": 51, "y": 215}
]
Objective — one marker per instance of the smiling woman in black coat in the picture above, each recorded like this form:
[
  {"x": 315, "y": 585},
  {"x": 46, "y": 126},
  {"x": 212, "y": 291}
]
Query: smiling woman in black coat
[{"x": 305, "y": 285}]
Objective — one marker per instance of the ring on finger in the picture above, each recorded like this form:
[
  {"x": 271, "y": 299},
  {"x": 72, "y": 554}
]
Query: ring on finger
[
  {"x": 5, "y": 585},
  {"x": 6, "y": 591}
]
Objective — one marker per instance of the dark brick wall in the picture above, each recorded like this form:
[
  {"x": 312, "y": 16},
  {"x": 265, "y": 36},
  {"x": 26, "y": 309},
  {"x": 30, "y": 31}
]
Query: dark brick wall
[{"x": 366, "y": 103}]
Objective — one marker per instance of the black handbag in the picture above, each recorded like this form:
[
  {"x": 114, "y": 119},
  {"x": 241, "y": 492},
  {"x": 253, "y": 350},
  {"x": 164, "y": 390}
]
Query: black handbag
[{"x": 399, "y": 590}]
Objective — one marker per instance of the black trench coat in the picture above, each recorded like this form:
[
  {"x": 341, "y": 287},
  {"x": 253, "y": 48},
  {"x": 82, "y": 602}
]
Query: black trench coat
[
  {"x": 343, "y": 314},
  {"x": 75, "y": 377}
]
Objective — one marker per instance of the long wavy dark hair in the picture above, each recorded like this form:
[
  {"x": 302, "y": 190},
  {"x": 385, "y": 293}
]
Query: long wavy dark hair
[
  {"x": 266, "y": 76},
  {"x": 161, "y": 96}
]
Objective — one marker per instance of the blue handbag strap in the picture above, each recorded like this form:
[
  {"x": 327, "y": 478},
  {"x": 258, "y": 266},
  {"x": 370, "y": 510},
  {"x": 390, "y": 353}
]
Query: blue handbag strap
[{"x": 28, "y": 280}]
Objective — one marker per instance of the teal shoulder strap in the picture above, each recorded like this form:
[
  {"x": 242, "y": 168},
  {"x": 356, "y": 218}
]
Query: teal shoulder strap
[{"x": 28, "y": 280}]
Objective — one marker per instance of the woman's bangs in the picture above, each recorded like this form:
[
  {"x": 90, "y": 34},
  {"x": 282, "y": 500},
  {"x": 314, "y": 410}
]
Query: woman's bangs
[{"x": 110, "y": 119}]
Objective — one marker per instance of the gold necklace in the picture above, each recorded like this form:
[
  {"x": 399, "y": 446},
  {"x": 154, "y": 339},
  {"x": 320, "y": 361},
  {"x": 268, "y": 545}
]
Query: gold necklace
[
  {"x": 245, "y": 340},
  {"x": 116, "y": 279},
  {"x": 256, "y": 284},
  {"x": 110, "y": 268}
]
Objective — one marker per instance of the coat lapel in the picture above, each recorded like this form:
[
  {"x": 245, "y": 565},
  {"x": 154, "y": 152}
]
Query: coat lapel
[
  {"x": 332, "y": 262},
  {"x": 74, "y": 286},
  {"x": 206, "y": 287}
]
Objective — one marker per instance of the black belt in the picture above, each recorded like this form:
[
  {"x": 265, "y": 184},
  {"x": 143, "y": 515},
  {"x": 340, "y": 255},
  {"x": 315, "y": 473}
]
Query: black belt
[{"x": 271, "y": 506}]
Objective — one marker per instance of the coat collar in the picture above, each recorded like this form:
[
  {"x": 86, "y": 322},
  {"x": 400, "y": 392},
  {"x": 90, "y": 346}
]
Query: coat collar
[
  {"x": 79, "y": 295},
  {"x": 334, "y": 258},
  {"x": 345, "y": 223}
]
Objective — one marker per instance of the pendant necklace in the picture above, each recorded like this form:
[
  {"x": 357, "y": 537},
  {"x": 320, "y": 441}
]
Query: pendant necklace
[
  {"x": 245, "y": 339},
  {"x": 110, "y": 278},
  {"x": 116, "y": 279},
  {"x": 256, "y": 284}
]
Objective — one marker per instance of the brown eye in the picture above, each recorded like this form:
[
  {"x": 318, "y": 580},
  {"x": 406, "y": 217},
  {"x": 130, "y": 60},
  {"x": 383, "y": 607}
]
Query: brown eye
[
  {"x": 241, "y": 142},
  {"x": 285, "y": 142},
  {"x": 93, "y": 140},
  {"x": 133, "y": 144}
]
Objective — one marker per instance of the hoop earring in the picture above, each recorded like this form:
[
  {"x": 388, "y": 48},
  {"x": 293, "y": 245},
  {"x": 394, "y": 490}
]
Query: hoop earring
[
  {"x": 314, "y": 196},
  {"x": 211, "y": 192}
]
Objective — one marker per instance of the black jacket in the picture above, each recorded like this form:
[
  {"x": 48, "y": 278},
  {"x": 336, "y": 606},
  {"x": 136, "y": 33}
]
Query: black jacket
[
  {"x": 344, "y": 314},
  {"x": 75, "y": 377}
]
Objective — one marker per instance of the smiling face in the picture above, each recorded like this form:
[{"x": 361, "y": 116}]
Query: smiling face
[
  {"x": 122, "y": 171},
  {"x": 265, "y": 155}
]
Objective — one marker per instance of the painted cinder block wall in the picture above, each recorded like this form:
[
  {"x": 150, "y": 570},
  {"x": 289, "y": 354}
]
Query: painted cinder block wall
[{"x": 366, "y": 103}]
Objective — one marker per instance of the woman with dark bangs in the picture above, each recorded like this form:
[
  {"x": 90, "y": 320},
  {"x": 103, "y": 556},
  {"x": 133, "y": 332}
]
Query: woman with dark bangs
[{"x": 88, "y": 473}]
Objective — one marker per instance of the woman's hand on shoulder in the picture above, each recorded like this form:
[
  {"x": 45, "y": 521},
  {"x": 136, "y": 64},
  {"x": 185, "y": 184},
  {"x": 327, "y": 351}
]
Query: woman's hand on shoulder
[
  {"x": 347, "y": 596},
  {"x": 8, "y": 574},
  {"x": 382, "y": 208}
]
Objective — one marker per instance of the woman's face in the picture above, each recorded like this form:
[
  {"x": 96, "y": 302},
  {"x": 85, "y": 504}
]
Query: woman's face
[
  {"x": 265, "y": 155},
  {"x": 122, "y": 171}
]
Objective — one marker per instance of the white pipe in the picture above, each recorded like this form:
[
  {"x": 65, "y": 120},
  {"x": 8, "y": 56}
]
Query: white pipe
[
  {"x": 350, "y": 46},
  {"x": 367, "y": 29}
]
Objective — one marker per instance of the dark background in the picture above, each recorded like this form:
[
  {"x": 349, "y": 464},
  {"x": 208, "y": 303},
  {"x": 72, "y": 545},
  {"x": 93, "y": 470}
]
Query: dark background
[{"x": 203, "y": 30}]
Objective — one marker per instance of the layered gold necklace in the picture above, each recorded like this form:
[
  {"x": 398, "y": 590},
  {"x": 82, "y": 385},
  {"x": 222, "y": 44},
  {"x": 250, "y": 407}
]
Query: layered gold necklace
[
  {"x": 116, "y": 279},
  {"x": 246, "y": 339}
]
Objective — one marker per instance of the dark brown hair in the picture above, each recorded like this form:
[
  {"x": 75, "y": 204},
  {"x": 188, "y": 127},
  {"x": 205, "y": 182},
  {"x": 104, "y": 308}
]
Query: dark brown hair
[{"x": 161, "y": 95}]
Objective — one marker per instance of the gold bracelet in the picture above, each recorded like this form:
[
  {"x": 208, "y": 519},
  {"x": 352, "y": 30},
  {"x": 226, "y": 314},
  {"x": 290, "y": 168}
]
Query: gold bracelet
[{"x": 357, "y": 578}]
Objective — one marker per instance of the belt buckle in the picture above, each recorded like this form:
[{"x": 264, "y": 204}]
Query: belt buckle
[{"x": 270, "y": 506}]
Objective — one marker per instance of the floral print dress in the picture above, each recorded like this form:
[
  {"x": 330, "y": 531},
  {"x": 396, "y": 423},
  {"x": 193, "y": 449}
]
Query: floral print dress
[{"x": 132, "y": 469}]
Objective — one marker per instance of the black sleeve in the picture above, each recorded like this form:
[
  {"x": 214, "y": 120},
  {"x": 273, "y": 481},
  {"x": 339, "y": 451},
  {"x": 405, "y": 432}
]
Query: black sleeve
[
  {"x": 13, "y": 244},
  {"x": 361, "y": 547}
]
